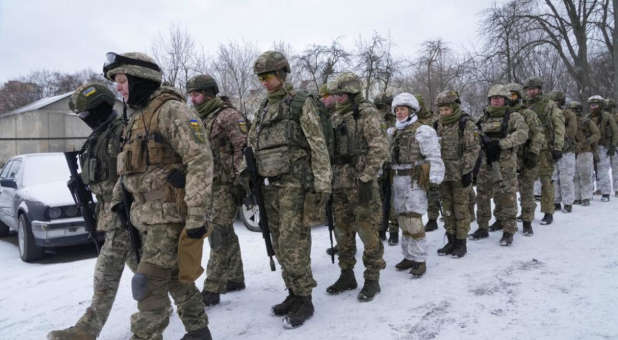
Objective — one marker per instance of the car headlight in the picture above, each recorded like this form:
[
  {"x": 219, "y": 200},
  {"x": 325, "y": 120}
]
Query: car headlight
[
  {"x": 70, "y": 211},
  {"x": 54, "y": 213}
]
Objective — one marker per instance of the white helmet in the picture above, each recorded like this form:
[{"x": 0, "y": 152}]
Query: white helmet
[{"x": 405, "y": 99}]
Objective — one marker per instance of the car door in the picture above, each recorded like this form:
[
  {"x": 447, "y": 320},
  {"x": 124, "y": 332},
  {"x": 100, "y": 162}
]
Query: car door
[
  {"x": 7, "y": 196},
  {"x": 5, "y": 201}
]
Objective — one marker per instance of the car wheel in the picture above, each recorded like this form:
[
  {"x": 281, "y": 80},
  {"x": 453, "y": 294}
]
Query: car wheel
[
  {"x": 250, "y": 216},
  {"x": 4, "y": 230},
  {"x": 28, "y": 250}
]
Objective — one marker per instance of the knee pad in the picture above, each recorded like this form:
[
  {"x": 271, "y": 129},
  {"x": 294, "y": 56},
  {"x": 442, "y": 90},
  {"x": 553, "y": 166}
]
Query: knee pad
[
  {"x": 147, "y": 278},
  {"x": 139, "y": 286},
  {"x": 412, "y": 225}
]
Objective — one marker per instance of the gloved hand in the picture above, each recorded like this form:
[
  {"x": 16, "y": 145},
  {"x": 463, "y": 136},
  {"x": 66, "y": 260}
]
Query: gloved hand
[
  {"x": 197, "y": 233},
  {"x": 119, "y": 209},
  {"x": 365, "y": 192},
  {"x": 492, "y": 150},
  {"x": 530, "y": 160},
  {"x": 466, "y": 180},
  {"x": 556, "y": 155},
  {"x": 611, "y": 150}
]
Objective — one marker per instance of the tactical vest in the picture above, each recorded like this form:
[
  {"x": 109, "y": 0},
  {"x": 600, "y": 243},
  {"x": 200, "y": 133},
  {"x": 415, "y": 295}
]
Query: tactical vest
[
  {"x": 495, "y": 128},
  {"x": 454, "y": 149},
  {"x": 98, "y": 156},
  {"x": 605, "y": 128},
  {"x": 540, "y": 108},
  {"x": 349, "y": 140},
  {"x": 405, "y": 148}
]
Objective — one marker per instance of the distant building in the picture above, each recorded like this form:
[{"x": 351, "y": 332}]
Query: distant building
[{"x": 46, "y": 125}]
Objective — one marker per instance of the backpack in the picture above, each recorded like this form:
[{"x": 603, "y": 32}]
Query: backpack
[{"x": 296, "y": 107}]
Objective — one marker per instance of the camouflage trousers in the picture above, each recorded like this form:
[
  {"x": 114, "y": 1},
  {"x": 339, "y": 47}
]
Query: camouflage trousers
[
  {"x": 291, "y": 237},
  {"x": 393, "y": 225},
  {"x": 352, "y": 218},
  {"x": 614, "y": 161},
  {"x": 504, "y": 194},
  {"x": 603, "y": 166},
  {"x": 526, "y": 192},
  {"x": 225, "y": 262},
  {"x": 546, "y": 170},
  {"x": 116, "y": 251},
  {"x": 472, "y": 203},
  {"x": 433, "y": 202},
  {"x": 456, "y": 208},
  {"x": 564, "y": 176},
  {"x": 159, "y": 266},
  {"x": 584, "y": 169}
]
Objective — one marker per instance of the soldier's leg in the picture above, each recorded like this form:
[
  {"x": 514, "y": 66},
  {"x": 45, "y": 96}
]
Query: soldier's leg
[
  {"x": 527, "y": 178},
  {"x": 577, "y": 180},
  {"x": 461, "y": 209},
  {"x": 483, "y": 197},
  {"x": 603, "y": 182},
  {"x": 367, "y": 224},
  {"x": 555, "y": 177},
  {"x": 585, "y": 169},
  {"x": 433, "y": 200},
  {"x": 188, "y": 301},
  {"x": 448, "y": 206},
  {"x": 506, "y": 196},
  {"x": 345, "y": 230},
  {"x": 415, "y": 246},
  {"x": 546, "y": 169},
  {"x": 471, "y": 204},
  {"x": 614, "y": 162},
  {"x": 567, "y": 177},
  {"x": 393, "y": 226}
]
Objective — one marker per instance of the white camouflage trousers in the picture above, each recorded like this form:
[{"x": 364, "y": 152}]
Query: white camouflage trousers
[
  {"x": 583, "y": 176},
  {"x": 563, "y": 177},
  {"x": 603, "y": 166}
]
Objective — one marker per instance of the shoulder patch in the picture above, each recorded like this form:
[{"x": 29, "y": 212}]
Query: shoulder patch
[
  {"x": 197, "y": 130},
  {"x": 242, "y": 125},
  {"x": 89, "y": 91}
]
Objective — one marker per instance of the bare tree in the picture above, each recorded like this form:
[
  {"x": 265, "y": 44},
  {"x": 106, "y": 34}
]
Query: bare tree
[
  {"x": 175, "y": 54},
  {"x": 319, "y": 62},
  {"x": 369, "y": 56},
  {"x": 233, "y": 67}
]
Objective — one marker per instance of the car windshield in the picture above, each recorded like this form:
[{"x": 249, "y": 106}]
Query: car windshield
[{"x": 42, "y": 169}]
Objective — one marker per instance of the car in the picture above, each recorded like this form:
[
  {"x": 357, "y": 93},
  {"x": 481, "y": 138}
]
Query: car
[{"x": 36, "y": 203}]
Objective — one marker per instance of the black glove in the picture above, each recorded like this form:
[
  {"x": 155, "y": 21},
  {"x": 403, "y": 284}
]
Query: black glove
[
  {"x": 611, "y": 150},
  {"x": 119, "y": 209},
  {"x": 365, "y": 191},
  {"x": 556, "y": 155},
  {"x": 492, "y": 150},
  {"x": 530, "y": 160},
  {"x": 238, "y": 194},
  {"x": 196, "y": 233},
  {"x": 466, "y": 180}
]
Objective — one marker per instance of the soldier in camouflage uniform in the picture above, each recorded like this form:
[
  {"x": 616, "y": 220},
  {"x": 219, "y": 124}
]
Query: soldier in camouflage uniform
[
  {"x": 527, "y": 158},
  {"x": 460, "y": 146},
  {"x": 292, "y": 155},
  {"x": 553, "y": 123},
  {"x": 587, "y": 136},
  {"x": 564, "y": 173},
  {"x": 503, "y": 131},
  {"x": 165, "y": 164},
  {"x": 361, "y": 148},
  {"x": 227, "y": 132},
  {"x": 606, "y": 147},
  {"x": 94, "y": 103}
]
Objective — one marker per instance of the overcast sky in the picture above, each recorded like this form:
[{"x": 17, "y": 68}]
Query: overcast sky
[{"x": 69, "y": 36}]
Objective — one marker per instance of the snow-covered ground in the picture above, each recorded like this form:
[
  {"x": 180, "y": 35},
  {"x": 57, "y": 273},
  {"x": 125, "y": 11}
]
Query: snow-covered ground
[{"x": 560, "y": 284}]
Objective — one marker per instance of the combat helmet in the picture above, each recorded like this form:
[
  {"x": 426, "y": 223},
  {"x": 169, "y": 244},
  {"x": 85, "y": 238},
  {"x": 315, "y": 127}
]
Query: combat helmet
[
  {"x": 423, "y": 112},
  {"x": 202, "y": 82},
  {"x": 610, "y": 104},
  {"x": 383, "y": 101},
  {"x": 499, "y": 90},
  {"x": 557, "y": 96},
  {"x": 575, "y": 106},
  {"x": 346, "y": 82},
  {"x": 93, "y": 103},
  {"x": 405, "y": 99},
  {"x": 271, "y": 61},
  {"x": 133, "y": 63},
  {"x": 533, "y": 82},
  {"x": 447, "y": 97},
  {"x": 596, "y": 99}
]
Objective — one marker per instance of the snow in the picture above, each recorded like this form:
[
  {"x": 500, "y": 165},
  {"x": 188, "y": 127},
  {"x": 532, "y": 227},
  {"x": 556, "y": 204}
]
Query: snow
[{"x": 562, "y": 283}]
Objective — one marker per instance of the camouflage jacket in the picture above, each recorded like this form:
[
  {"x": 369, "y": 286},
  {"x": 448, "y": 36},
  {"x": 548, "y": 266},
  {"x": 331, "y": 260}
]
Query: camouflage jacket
[
  {"x": 536, "y": 136},
  {"x": 588, "y": 134},
  {"x": 607, "y": 125},
  {"x": 552, "y": 120},
  {"x": 459, "y": 149},
  {"x": 516, "y": 132},
  {"x": 176, "y": 143},
  {"x": 570, "y": 125}
]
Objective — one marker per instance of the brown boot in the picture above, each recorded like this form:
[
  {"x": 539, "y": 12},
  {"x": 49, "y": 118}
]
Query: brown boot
[
  {"x": 418, "y": 269},
  {"x": 71, "y": 333}
]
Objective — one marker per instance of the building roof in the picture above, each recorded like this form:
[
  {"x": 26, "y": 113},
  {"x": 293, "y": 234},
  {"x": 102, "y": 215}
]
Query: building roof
[{"x": 41, "y": 103}]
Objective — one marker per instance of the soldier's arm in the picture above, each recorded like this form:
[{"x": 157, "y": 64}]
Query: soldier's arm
[
  {"x": 320, "y": 161},
  {"x": 430, "y": 149},
  {"x": 614, "y": 128},
  {"x": 377, "y": 142},
  {"x": 519, "y": 132},
  {"x": 185, "y": 133},
  {"x": 595, "y": 133},
  {"x": 236, "y": 130},
  {"x": 559, "y": 129},
  {"x": 535, "y": 127},
  {"x": 471, "y": 147}
]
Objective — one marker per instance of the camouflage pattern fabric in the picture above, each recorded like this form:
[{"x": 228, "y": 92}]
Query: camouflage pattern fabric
[
  {"x": 472, "y": 203},
  {"x": 564, "y": 176},
  {"x": 584, "y": 172},
  {"x": 433, "y": 202},
  {"x": 603, "y": 166},
  {"x": 526, "y": 180}
]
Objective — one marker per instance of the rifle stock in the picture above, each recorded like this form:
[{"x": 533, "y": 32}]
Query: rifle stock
[
  {"x": 331, "y": 225},
  {"x": 134, "y": 238}
]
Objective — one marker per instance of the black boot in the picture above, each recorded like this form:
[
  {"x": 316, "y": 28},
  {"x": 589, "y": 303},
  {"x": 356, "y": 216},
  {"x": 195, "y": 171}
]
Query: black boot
[
  {"x": 332, "y": 251},
  {"x": 557, "y": 206},
  {"x": 232, "y": 286},
  {"x": 577, "y": 202},
  {"x": 346, "y": 281},
  {"x": 431, "y": 225},
  {"x": 382, "y": 234},
  {"x": 418, "y": 269},
  {"x": 460, "y": 249},
  {"x": 199, "y": 334},
  {"x": 527, "y": 231},
  {"x": 547, "y": 219},
  {"x": 567, "y": 208},
  {"x": 520, "y": 218},
  {"x": 369, "y": 290},
  {"x": 450, "y": 245},
  {"x": 302, "y": 310},
  {"x": 507, "y": 239},
  {"x": 393, "y": 238},
  {"x": 210, "y": 298},
  {"x": 605, "y": 198},
  {"x": 284, "y": 307},
  {"x": 479, "y": 234},
  {"x": 495, "y": 226},
  {"x": 586, "y": 202},
  {"x": 404, "y": 264}
]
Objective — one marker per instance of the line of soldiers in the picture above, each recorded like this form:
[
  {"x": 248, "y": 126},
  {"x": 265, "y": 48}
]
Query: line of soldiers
[{"x": 184, "y": 172}]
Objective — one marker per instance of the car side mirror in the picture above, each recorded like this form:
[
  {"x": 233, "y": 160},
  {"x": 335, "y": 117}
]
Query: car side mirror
[{"x": 8, "y": 183}]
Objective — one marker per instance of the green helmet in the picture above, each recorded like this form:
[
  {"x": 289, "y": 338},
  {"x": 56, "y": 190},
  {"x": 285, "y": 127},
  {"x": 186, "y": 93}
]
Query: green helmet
[
  {"x": 323, "y": 90},
  {"x": 533, "y": 82},
  {"x": 90, "y": 95},
  {"x": 596, "y": 99},
  {"x": 575, "y": 106},
  {"x": 447, "y": 97},
  {"x": 610, "y": 104},
  {"x": 271, "y": 61},
  {"x": 499, "y": 90},
  {"x": 557, "y": 96},
  {"x": 202, "y": 82},
  {"x": 346, "y": 82},
  {"x": 133, "y": 63},
  {"x": 517, "y": 88}
]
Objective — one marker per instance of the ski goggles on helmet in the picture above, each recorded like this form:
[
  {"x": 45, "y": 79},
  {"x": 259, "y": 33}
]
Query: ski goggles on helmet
[{"x": 115, "y": 60}]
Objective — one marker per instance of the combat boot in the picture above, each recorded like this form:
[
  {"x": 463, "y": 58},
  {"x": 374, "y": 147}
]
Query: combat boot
[
  {"x": 404, "y": 264},
  {"x": 605, "y": 198},
  {"x": 393, "y": 238},
  {"x": 418, "y": 269},
  {"x": 301, "y": 311},
  {"x": 520, "y": 218},
  {"x": 210, "y": 298},
  {"x": 332, "y": 251},
  {"x": 369, "y": 290},
  {"x": 507, "y": 239},
  {"x": 71, "y": 333},
  {"x": 431, "y": 225},
  {"x": 597, "y": 192},
  {"x": 547, "y": 219},
  {"x": 346, "y": 281},
  {"x": 586, "y": 202},
  {"x": 577, "y": 202},
  {"x": 479, "y": 234},
  {"x": 557, "y": 206},
  {"x": 567, "y": 208},
  {"x": 450, "y": 245},
  {"x": 460, "y": 249},
  {"x": 200, "y": 334},
  {"x": 233, "y": 286},
  {"x": 537, "y": 198},
  {"x": 495, "y": 226},
  {"x": 284, "y": 307},
  {"x": 382, "y": 234},
  {"x": 527, "y": 230}
]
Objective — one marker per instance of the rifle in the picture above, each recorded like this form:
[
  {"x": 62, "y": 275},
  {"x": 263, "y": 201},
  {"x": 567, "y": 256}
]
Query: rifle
[
  {"x": 386, "y": 197},
  {"x": 331, "y": 225},
  {"x": 255, "y": 181},
  {"x": 125, "y": 217},
  {"x": 82, "y": 197},
  {"x": 494, "y": 166}
]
